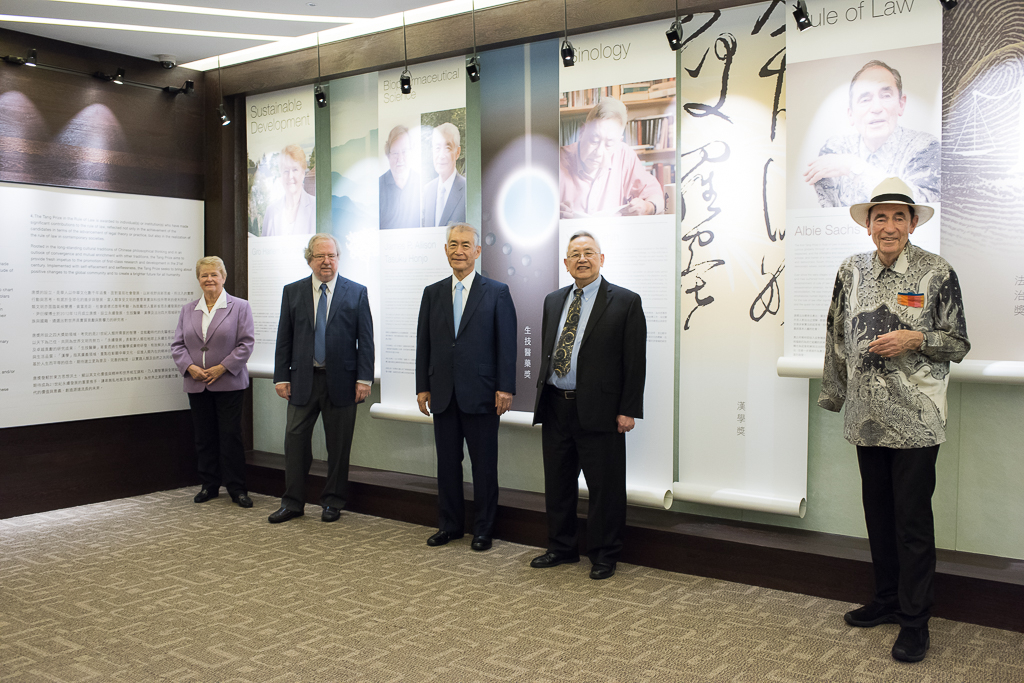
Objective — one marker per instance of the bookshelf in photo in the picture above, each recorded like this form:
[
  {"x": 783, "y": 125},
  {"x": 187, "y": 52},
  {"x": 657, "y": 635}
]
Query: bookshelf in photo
[{"x": 650, "y": 128}]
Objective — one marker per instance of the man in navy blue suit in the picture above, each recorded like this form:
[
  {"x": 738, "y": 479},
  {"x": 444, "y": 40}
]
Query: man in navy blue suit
[
  {"x": 465, "y": 375},
  {"x": 323, "y": 364}
]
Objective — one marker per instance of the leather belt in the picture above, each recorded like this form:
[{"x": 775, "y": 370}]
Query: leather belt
[{"x": 569, "y": 395}]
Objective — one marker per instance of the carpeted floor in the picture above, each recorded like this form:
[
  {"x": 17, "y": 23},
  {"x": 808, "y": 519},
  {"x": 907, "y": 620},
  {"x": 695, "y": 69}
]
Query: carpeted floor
[{"x": 156, "y": 588}]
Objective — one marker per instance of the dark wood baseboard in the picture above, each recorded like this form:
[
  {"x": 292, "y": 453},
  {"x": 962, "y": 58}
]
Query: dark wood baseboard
[
  {"x": 54, "y": 466},
  {"x": 972, "y": 588}
]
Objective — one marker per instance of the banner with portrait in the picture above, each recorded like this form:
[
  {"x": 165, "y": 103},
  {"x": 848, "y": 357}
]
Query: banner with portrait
[
  {"x": 422, "y": 188},
  {"x": 617, "y": 130},
  {"x": 281, "y": 180},
  {"x": 864, "y": 104}
]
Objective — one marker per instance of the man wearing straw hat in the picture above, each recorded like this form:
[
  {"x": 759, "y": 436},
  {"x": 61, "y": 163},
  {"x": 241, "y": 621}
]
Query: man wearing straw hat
[{"x": 895, "y": 323}]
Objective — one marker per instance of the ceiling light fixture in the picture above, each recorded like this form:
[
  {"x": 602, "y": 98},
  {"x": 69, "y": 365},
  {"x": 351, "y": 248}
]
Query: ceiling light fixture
[
  {"x": 28, "y": 60},
  {"x": 213, "y": 11},
  {"x": 675, "y": 32},
  {"x": 406, "y": 78},
  {"x": 473, "y": 63},
  {"x": 318, "y": 92},
  {"x": 15, "y": 18},
  {"x": 568, "y": 53},
  {"x": 222, "y": 111},
  {"x": 803, "y": 18}
]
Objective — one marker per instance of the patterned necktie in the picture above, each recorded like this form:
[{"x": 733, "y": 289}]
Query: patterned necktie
[
  {"x": 563, "y": 352},
  {"x": 457, "y": 306},
  {"x": 320, "y": 329}
]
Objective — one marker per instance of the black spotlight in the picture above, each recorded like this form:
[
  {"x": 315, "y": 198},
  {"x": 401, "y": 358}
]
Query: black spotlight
[
  {"x": 119, "y": 77},
  {"x": 473, "y": 68},
  {"x": 188, "y": 88},
  {"x": 568, "y": 53},
  {"x": 223, "y": 114},
  {"x": 406, "y": 81},
  {"x": 30, "y": 59},
  {"x": 675, "y": 35},
  {"x": 946, "y": 5},
  {"x": 803, "y": 18},
  {"x": 320, "y": 96}
]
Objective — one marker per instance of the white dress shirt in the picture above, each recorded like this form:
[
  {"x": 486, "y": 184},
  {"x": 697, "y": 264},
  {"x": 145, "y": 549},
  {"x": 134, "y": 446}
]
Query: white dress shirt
[{"x": 222, "y": 302}]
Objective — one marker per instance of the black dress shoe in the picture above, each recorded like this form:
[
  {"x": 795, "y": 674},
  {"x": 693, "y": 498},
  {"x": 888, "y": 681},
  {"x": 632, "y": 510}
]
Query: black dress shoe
[
  {"x": 870, "y": 615},
  {"x": 602, "y": 571},
  {"x": 283, "y": 515},
  {"x": 330, "y": 514},
  {"x": 442, "y": 537},
  {"x": 242, "y": 500},
  {"x": 912, "y": 644},
  {"x": 481, "y": 543},
  {"x": 206, "y": 494},
  {"x": 550, "y": 559}
]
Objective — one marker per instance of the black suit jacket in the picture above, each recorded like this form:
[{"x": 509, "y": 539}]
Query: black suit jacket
[
  {"x": 349, "y": 341},
  {"x": 480, "y": 360},
  {"x": 612, "y": 365}
]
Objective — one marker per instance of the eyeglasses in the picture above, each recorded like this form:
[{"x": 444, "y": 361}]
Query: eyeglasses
[
  {"x": 325, "y": 257},
  {"x": 589, "y": 255}
]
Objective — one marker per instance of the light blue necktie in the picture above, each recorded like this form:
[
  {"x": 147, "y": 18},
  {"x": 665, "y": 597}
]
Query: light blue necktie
[
  {"x": 320, "y": 330},
  {"x": 457, "y": 306}
]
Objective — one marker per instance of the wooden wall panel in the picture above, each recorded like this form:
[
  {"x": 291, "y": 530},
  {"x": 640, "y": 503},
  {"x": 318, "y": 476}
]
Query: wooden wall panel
[{"x": 68, "y": 130}]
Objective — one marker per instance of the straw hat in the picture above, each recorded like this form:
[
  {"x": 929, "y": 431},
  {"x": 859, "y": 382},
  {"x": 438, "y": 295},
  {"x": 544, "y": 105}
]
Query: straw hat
[{"x": 891, "y": 191}]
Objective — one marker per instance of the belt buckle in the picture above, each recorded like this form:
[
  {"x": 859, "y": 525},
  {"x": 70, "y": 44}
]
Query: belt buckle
[{"x": 570, "y": 394}]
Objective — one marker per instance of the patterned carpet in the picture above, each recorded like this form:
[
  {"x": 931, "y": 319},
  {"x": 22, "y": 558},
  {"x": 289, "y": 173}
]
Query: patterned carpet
[{"x": 156, "y": 588}]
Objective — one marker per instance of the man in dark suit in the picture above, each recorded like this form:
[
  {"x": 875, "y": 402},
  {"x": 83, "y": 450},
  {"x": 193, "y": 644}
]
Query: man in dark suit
[
  {"x": 444, "y": 197},
  {"x": 590, "y": 390},
  {"x": 465, "y": 375},
  {"x": 323, "y": 364}
]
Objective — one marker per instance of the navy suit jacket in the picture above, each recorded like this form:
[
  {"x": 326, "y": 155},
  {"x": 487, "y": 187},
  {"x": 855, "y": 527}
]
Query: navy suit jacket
[
  {"x": 349, "y": 341},
  {"x": 611, "y": 366},
  {"x": 480, "y": 360},
  {"x": 454, "y": 207}
]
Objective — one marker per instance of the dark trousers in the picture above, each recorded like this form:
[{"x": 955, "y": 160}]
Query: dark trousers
[
  {"x": 568, "y": 448},
  {"x": 480, "y": 433},
  {"x": 339, "y": 423},
  {"x": 897, "y": 486},
  {"x": 217, "y": 423}
]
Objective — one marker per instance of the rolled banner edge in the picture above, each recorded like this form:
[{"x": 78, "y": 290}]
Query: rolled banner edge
[
  {"x": 657, "y": 498},
  {"x": 801, "y": 367},
  {"x": 739, "y": 499}
]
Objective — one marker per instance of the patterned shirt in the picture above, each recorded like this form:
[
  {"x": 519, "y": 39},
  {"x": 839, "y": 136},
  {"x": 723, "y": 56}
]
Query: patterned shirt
[
  {"x": 910, "y": 155},
  {"x": 893, "y": 402}
]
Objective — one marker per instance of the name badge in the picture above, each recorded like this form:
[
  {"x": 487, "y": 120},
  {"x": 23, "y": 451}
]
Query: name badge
[{"x": 910, "y": 299}]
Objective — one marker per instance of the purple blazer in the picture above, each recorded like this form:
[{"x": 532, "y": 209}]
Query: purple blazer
[{"x": 229, "y": 342}]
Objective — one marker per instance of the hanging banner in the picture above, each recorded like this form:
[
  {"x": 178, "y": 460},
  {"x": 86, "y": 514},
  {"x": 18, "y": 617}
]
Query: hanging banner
[
  {"x": 742, "y": 429},
  {"x": 356, "y": 183},
  {"x": 983, "y": 172},
  {"x": 519, "y": 150},
  {"x": 617, "y": 157},
  {"x": 281, "y": 163},
  {"x": 864, "y": 104},
  {"x": 422, "y": 189}
]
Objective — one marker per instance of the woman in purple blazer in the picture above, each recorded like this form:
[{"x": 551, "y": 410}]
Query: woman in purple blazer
[{"x": 212, "y": 343}]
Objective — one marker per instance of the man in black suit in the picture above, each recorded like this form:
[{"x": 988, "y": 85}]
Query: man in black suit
[
  {"x": 323, "y": 364},
  {"x": 590, "y": 390},
  {"x": 465, "y": 375}
]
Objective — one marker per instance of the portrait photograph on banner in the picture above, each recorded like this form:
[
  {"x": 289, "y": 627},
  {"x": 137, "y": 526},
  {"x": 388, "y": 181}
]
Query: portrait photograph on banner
[
  {"x": 281, "y": 163},
  {"x": 617, "y": 149}
]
